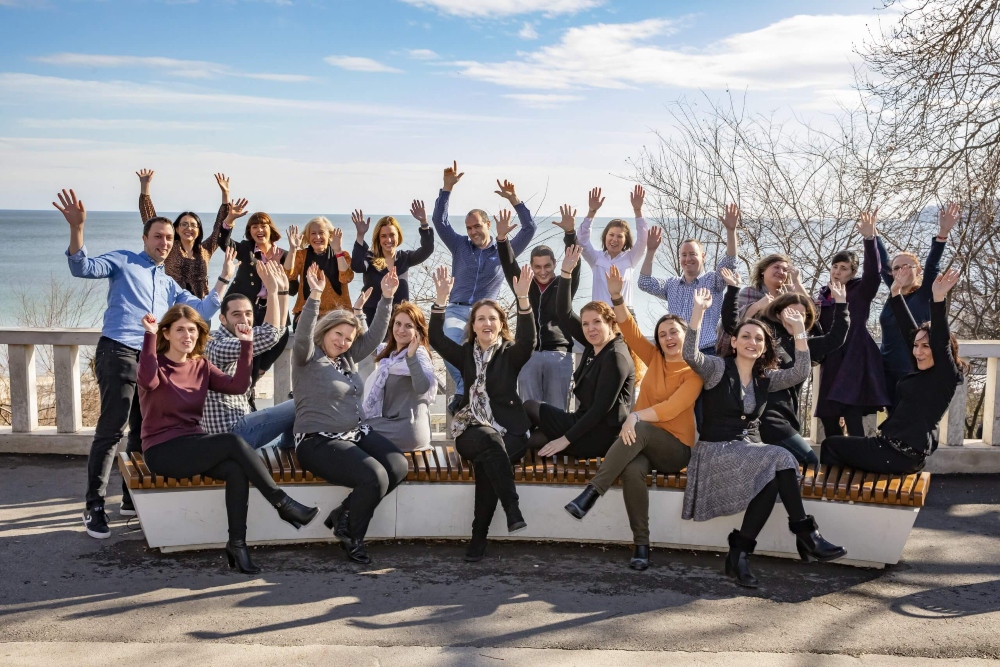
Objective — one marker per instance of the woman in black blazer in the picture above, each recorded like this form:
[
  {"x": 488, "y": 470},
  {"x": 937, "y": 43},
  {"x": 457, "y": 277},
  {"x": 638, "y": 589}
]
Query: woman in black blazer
[
  {"x": 603, "y": 382},
  {"x": 490, "y": 427}
]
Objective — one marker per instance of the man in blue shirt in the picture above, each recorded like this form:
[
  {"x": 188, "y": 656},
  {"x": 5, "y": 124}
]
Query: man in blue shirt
[
  {"x": 475, "y": 262},
  {"x": 137, "y": 285}
]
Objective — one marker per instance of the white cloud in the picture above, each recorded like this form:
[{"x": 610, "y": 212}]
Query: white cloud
[
  {"x": 799, "y": 52},
  {"x": 527, "y": 31},
  {"x": 542, "y": 101},
  {"x": 493, "y": 8},
  {"x": 422, "y": 54},
  {"x": 190, "y": 69},
  {"x": 359, "y": 64},
  {"x": 117, "y": 124}
]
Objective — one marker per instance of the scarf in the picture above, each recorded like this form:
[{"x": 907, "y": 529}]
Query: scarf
[
  {"x": 395, "y": 364},
  {"x": 478, "y": 410},
  {"x": 327, "y": 262}
]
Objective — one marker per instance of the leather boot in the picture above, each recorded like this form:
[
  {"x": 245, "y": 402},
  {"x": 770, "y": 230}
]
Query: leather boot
[
  {"x": 485, "y": 507},
  {"x": 294, "y": 512},
  {"x": 579, "y": 506},
  {"x": 239, "y": 557},
  {"x": 812, "y": 546},
  {"x": 356, "y": 551},
  {"x": 640, "y": 557},
  {"x": 339, "y": 522},
  {"x": 497, "y": 467},
  {"x": 737, "y": 560}
]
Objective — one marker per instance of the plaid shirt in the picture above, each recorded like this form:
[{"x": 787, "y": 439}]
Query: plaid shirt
[
  {"x": 680, "y": 296},
  {"x": 222, "y": 411}
]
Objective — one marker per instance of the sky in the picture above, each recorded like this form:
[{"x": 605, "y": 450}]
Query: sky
[{"x": 323, "y": 107}]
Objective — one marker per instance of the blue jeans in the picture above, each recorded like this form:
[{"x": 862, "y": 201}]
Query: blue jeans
[
  {"x": 262, "y": 427},
  {"x": 799, "y": 448},
  {"x": 455, "y": 319},
  {"x": 546, "y": 378}
]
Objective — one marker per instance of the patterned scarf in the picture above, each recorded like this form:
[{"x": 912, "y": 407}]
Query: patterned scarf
[
  {"x": 478, "y": 411},
  {"x": 395, "y": 364}
]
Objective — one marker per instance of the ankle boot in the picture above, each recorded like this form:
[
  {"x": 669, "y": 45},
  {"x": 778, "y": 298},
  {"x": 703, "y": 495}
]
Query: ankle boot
[
  {"x": 640, "y": 557},
  {"x": 339, "y": 522},
  {"x": 484, "y": 509},
  {"x": 496, "y": 465},
  {"x": 356, "y": 551},
  {"x": 239, "y": 557},
  {"x": 295, "y": 513},
  {"x": 476, "y": 551},
  {"x": 811, "y": 544},
  {"x": 579, "y": 506},
  {"x": 737, "y": 560}
]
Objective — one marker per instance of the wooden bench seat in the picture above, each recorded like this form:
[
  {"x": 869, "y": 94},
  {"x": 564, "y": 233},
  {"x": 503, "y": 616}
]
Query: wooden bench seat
[{"x": 443, "y": 464}]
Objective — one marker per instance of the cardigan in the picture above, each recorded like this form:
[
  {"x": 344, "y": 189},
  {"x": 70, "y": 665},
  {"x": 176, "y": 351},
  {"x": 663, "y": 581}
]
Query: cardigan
[
  {"x": 404, "y": 259},
  {"x": 329, "y": 300},
  {"x": 247, "y": 281}
]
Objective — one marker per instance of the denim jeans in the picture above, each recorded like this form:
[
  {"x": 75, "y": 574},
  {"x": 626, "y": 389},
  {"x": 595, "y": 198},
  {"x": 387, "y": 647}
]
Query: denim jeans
[
  {"x": 547, "y": 377},
  {"x": 262, "y": 427},
  {"x": 455, "y": 319},
  {"x": 799, "y": 448}
]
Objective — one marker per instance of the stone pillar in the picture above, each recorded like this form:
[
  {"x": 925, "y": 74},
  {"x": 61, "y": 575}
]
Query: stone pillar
[
  {"x": 23, "y": 388},
  {"x": 67, "y": 384}
]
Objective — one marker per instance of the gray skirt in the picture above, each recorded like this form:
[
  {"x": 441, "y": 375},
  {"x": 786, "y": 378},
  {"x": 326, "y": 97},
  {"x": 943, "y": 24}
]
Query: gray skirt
[{"x": 723, "y": 477}]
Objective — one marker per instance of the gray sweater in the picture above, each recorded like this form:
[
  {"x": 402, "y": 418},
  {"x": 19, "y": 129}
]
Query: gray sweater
[{"x": 326, "y": 399}]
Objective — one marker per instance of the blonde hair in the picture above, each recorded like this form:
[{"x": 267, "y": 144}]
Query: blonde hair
[
  {"x": 470, "y": 334},
  {"x": 918, "y": 272},
  {"x": 320, "y": 221},
  {"x": 332, "y": 320},
  {"x": 378, "y": 260},
  {"x": 174, "y": 315}
]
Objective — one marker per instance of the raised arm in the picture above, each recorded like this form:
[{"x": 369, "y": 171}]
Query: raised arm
[
  {"x": 375, "y": 334},
  {"x": 710, "y": 369},
  {"x": 418, "y": 362},
  {"x": 146, "y": 209},
  {"x": 569, "y": 320},
  {"x": 439, "y": 217},
  {"x": 523, "y": 237},
  {"x": 426, "y": 249},
  {"x": 822, "y": 345},
  {"x": 940, "y": 333},
  {"x": 508, "y": 261},
  {"x": 239, "y": 381},
  {"x": 870, "y": 278},
  {"x": 594, "y": 201},
  {"x": 303, "y": 347},
  {"x": 884, "y": 263},
  {"x": 947, "y": 219},
  {"x": 147, "y": 375},
  {"x": 730, "y": 314},
  {"x": 637, "y": 252},
  {"x": 76, "y": 214},
  {"x": 525, "y": 337},
  {"x": 361, "y": 227},
  {"x": 789, "y": 377},
  {"x": 647, "y": 282},
  {"x": 450, "y": 351}
]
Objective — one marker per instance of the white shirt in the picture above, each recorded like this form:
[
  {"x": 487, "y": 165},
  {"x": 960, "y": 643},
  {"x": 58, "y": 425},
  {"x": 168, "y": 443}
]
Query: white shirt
[{"x": 601, "y": 262}]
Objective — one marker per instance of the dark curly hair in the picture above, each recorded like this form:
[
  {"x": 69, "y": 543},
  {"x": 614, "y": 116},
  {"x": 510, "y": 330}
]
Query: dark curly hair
[{"x": 769, "y": 359}]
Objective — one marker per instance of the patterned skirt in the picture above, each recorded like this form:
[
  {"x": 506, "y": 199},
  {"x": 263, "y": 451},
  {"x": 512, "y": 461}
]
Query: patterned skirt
[{"x": 723, "y": 477}]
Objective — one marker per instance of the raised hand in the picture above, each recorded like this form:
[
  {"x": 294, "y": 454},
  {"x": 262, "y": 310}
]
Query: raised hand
[
  {"x": 337, "y": 239},
  {"x": 637, "y": 196},
  {"x": 237, "y": 210},
  {"x": 145, "y": 176},
  {"x": 360, "y": 223},
  {"x": 571, "y": 258},
  {"x": 442, "y": 285},
  {"x": 731, "y": 218},
  {"x": 944, "y": 283},
  {"x": 411, "y": 349},
  {"x": 868, "y": 223},
  {"x": 653, "y": 238},
  {"x": 504, "y": 228},
  {"x": 567, "y": 221},
  {"x": 615, "y": 281},
  {"x": 362, "y": 299},
  {"x": 702, "y": 299},
  {"x": 418, "y": 212},
  {"x": 522, "y": 283},
  {"x": 948, "y": 218},
  {"x": 229, "y": 264},
  {"x": 452, "y": 176},
  {"x": 72, "y": 208},
  {"x": 244, "y": 332},
  {"x": 294, "y": 238},
  {"x": 149, "y": 323},
  {"x": 506, "y": 190},
  {"x": 268, "y": 272},
  {"x": 316, "y": 280},
  {"x": 223, "y": 182},
  {"x": 838, "y": 291},
  {"x": 731, "y": 278},
  {"x": 390, "y": 283},
  {"x": 794, "y": 318},
  {"x": 594, "y": 202}
]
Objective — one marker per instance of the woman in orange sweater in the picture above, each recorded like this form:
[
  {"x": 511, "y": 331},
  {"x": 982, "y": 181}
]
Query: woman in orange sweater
[
  {"x": 659, "y": 434},
  {"x": 320, "y": 243}
]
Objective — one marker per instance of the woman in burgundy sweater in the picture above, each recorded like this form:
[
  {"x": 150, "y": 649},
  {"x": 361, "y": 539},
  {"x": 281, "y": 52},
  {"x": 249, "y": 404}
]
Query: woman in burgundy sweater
[{"x": 173, "y": 380}]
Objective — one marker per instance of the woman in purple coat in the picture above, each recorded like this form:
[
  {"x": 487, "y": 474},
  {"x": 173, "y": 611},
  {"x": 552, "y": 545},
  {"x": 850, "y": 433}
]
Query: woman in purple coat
[{"x": 852, "y": 383}]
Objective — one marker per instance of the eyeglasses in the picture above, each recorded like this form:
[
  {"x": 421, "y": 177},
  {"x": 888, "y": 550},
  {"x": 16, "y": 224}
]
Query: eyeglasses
[
  {"x": 188, "y": 225},
  {"x": 897, "y": 269}
]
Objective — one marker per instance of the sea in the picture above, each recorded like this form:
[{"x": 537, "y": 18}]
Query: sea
[{"x": 33, "y": 264}]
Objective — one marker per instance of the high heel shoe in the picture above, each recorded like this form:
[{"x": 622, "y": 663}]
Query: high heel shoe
[
  {"x": 295, "y": 513},
  {"x": 811, "y": 545},
  {"x": 239, "y": 557},
  {"x": 640, "y": 557},
  {"x": 339, "y": 522},
  {"x": 737, "y": 560},
  {"x": 579, "y": 506},
  {"x": 356, "y": 551}
]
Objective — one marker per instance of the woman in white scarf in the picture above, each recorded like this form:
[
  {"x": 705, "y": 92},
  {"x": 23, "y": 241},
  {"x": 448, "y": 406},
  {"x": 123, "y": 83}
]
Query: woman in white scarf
[{"x": 398, "y": 394}]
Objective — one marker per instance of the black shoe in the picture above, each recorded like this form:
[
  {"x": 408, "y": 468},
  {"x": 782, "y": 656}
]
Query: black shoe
[
  {"x": 737, "y": 560},
  {"x": 96, "y": 522},
  {"x": 812, "y": 546},
  {"x": 453, "y": 404},
  {"x": 295, "y": 513},
  {"x": 239, "y": 557},
  {"x": 640, "y": 557},
  {"x": 126, "y": 508},
  {"x": 476, "y": 550},
  {"x": 515, "y": 522},
  {"x": 339, "y": 522},
  {"x": 356, "y": 551},
  {"x": 580, "y": 505},
  {"x": 496, "y": 467}
]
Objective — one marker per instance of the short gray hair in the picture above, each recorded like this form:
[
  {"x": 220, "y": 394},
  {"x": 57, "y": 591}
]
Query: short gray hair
[{"x": 332, "y": 320}]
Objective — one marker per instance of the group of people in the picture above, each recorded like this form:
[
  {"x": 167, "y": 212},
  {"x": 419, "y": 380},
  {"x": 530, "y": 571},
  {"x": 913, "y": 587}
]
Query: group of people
[{"x": 716, "y": 391}]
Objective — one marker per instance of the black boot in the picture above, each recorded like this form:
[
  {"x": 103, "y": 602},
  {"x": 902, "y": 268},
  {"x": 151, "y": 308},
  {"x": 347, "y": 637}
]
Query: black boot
[
  {"x": 737, "y": 560},
  {"x": 476, "y": 551},
  {"x": 295, "y": 513},
  {"x": 497, "y": 467},
  {"x": 811, "y": 544},
  {"x": 580, "y": 505},
  {"x": 356, "y": 551},
  {"x": 238, "y": 556},
  {"x": 484, "y": 508},
  {"x": 339, "y": 522},
  {"x": 640, "y": 556}
]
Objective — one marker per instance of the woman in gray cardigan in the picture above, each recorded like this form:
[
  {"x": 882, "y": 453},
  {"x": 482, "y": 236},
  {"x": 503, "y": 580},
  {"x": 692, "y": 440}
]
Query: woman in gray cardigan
[{"x": 332, "y": 438}]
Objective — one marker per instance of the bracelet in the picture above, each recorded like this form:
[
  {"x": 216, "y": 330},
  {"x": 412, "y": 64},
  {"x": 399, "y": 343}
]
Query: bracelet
[
  {"x": 568, "y": 274},
  {"x": 620, "y": 301},
  {"x": 437, "y": 306},
  {"x": 637, "y": 417},
  {"x": 223, "y": 280},
  {"x": 520, "y": 296},
  {"x": 940, "y": 238},
  {"x": 340, "y": 254},
  {"x": 283, "y": 293},
  {"x": 802, "y": 336}
]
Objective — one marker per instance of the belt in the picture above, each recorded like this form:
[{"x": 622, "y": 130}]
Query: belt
[{"x": 905, "y": 449}]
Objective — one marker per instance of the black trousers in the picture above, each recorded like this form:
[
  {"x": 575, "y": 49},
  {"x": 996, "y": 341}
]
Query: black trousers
[
  {"x": 552, "y": 423},
  {"x": 115, "y": 366},
  {"x": 371, "y": 468},
  {"x": 873, "y": 454},
  {"x": 491, "y": 455},
  {"x": 222, "y": 456},
  {"x": 784, "y": 484},
  {"x": 853, "y": 419}
]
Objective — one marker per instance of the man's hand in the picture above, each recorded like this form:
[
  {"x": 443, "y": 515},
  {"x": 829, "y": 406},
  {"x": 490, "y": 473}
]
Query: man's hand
[
  {"x": 732, "y": 217},
  {"x": 72, "y": 209},
  {"x": 567, "y": 221},
  {"x": 452, "y": 176},
  {"x": 507, "y": 192}
]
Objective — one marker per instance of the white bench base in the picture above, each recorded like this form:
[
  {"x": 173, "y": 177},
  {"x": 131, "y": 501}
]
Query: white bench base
[{"x": 185, "y": 519}]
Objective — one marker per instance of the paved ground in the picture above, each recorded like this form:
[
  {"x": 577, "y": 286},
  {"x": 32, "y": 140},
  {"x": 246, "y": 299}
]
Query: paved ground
[{"x": 526, "y": 604}]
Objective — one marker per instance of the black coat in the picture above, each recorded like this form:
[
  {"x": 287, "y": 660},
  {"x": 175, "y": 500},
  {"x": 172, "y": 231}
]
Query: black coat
[
  {"x": 501, "y": 373},
  {"x": 724, "y": 416},
  {"x": 247, "y": 281}
]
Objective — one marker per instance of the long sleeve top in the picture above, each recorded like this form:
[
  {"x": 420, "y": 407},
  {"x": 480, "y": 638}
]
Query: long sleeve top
[
  {"x": 191, "y": 271},
  {"x": 477, "y": 271},
  {"x": 136, "y": 286},
  {"x": 223, "y": 350},
  {"x": 330, "y": 300},
  {"x": 551, "y": 336},
  {"x": 923, "y": 396},
  {"x": 670, "y": 388},
  {"x": 679, "y": 295},
  {"x": 327, "y": 399},
  {"x": 603, "y": 382},
  {"x": 404, "y": 259},
  {"x": 172, "y": 395},
  {"x": 601, "y": 262}
]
